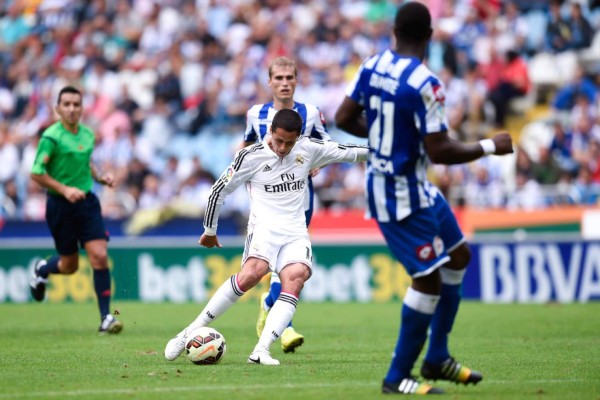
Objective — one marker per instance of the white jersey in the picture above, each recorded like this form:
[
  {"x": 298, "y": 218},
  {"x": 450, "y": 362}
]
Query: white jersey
[
  {"x": 258, "y": 124},
  {"x": 276, "y": 185}
]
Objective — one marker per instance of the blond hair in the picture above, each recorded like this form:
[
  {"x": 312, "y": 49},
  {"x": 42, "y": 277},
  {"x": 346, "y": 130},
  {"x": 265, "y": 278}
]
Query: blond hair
[{"x": 282, "y": 62}]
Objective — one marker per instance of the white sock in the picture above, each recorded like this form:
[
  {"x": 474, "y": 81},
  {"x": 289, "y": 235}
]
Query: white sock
[
  {"x": 225, "y": 296},
  {"x": 278, "y": 319}
]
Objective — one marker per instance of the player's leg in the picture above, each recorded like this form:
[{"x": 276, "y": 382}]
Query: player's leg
[
  {"x": 258, "y": 250},
  {"x": 290, "y": 339},
  {"x": 62, "y": 225},
  {"x": 294, "y": 267},
  {"x": 94, "y": 238},
  {"x": 414, "y": 241},
  {"x": 97, "y": 254},
  {"x": 267, "y": 299},
  {"x": 438, "y": 362},
  {"x": 226, "y": 295}
]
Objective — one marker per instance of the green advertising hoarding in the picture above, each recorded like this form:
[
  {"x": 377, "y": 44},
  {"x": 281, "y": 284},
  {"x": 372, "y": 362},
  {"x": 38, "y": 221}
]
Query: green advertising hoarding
[{"x": 170, "y": 272}]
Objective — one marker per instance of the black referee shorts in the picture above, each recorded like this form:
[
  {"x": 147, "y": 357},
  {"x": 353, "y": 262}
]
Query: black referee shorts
[{"x": 74, "y": 224}]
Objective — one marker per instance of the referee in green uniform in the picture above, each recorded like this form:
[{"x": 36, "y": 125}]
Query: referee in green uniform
[{"x": 63, "y": 166}]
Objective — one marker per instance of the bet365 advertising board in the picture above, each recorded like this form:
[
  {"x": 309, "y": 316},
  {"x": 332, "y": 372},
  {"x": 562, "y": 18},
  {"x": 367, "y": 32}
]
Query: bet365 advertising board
[{"x": 500, "y": 272}]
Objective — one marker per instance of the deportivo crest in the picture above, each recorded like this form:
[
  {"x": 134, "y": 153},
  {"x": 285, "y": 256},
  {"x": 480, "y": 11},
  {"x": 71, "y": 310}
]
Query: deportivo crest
[
  {"x": 425, "y": 252},
  {"x": 299, "y": 159}
]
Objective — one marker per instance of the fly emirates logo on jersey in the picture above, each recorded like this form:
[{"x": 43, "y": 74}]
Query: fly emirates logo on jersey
[{"x": 288, "y": 184}]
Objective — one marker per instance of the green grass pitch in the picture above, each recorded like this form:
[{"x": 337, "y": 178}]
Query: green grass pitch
[{"x": 52, "y": 351}]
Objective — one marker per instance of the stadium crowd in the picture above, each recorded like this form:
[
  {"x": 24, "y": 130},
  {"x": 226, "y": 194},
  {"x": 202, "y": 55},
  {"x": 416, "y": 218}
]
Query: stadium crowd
[{"x": 167, "y": 84}]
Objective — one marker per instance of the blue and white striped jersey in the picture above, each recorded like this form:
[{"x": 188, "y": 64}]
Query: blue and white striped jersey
[
  {"x": 260, "y": 116},
  {"x": 404, "y": 102}
]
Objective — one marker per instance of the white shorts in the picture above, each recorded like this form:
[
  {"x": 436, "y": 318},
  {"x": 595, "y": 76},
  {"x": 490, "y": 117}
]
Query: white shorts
[{"x": 278, "y": 250}]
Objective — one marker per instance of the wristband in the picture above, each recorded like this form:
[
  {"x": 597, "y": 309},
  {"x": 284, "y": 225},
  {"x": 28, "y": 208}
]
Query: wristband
[
  {"x": 210, "y": 231},
  {"x": 488, "y": 146}
]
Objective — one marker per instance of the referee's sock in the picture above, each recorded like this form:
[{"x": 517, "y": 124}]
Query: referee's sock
[
  {"x": 51, "y": 267},
  {"x": 102, "y": 288}
]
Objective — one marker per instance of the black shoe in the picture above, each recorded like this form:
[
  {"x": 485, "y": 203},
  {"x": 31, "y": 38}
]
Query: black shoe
[
  {"x": 409, "y": 386},
  {"x": 452, "y": 371},
  {"x": 37, "y": 284}
]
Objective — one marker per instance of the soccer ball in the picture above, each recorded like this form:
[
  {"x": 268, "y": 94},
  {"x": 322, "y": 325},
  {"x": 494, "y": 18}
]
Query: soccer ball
[{"x": 205, "y": 346}]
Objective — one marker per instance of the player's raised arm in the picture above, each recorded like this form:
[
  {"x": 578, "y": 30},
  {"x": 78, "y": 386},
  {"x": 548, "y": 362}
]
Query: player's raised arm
[{"x": 332, "y": 152}]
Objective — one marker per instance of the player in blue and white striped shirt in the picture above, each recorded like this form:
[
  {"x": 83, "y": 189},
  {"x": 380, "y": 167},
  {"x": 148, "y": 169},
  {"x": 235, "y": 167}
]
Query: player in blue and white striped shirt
[
  {"x": 283, "y": 78},
  {"x": 406, "y": 125}
]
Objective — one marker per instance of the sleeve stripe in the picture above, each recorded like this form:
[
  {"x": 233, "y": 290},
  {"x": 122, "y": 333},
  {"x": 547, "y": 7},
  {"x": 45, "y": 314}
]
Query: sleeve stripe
[
  {"x": 212, "y": 202},
  {"x": 218, "y": 187}
]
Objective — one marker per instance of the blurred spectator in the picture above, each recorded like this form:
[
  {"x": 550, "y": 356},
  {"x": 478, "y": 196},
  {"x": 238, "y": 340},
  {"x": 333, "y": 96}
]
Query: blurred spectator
[
  {"x": 513, "y": 28},
  {"x": 581, "y": 30},
  {"x": 514, "y": 82},
  {"x": 561, "y": 147},
  {"x": 558, "y": 31},
  {"x": 584, "y": 131},
  {"x": 546, "y": 171},
  {"x": 9, "y": 154},
  {"x": 150, "y": 197},
  {"x": 471, "y": 29},
  {"x": 484, "y": 190},
  {"x": 594, "y": 160},
  {"x": 13, "y": 28},
  {"x": 564, "y": 99},
  {"x": 441, "y": 53},
  {"x": 457, "y": 98},
  {"x": 528, "y": 194},
  {"x": 584, "y": 190}
]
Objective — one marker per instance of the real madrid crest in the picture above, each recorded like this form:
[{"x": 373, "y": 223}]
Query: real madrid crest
[{"x": 299, "y": 159}]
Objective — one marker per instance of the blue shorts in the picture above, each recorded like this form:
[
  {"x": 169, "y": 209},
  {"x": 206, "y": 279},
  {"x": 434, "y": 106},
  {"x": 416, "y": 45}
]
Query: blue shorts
[
  {"x": 73, "y": 224},
  {"x": 422, "y": 240}
]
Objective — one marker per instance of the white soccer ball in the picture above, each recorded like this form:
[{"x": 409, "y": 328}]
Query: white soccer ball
[{"x": 205, "y": 346}]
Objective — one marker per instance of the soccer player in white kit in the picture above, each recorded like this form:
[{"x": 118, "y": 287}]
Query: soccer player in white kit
[
  {"x": 283, "y": 78},
  {"x": 275, "y": 173}
]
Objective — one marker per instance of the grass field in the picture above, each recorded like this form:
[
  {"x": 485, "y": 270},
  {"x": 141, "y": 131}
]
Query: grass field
[{"x": 524, "y": 351}]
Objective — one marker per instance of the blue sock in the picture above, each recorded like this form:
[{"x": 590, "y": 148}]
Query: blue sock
[
  {"x": 441, "y": 324},
  {"x": 413, "y": 333},
  {"x": 51, "y": 267},
  {"x": 274, "y": 292},
  {"x": 102, "y": 287}
]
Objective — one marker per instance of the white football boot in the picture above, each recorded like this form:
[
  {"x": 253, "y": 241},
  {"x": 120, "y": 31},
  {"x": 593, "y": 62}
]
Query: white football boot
[
  {"x": 262, "y": 356},
  {"x": 175, "y": 346}
]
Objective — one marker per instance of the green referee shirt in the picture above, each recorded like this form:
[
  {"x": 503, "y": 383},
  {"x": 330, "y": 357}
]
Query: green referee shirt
[{"x": 66, "y": 156}]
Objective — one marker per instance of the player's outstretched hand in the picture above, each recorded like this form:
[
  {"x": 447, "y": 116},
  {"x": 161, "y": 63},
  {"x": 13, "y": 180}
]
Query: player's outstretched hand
[
  {"x": 73, "y": 194},
  {"x": 209, "y": 241},
  {"x": 503, "y": 143}
]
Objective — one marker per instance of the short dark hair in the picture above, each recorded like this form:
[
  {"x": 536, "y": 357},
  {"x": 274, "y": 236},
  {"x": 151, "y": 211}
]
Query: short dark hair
[
  {"x": 67, "y": 89},
  {"x": 413, "y": 23},
  {"x": 288, "y": 120}
]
